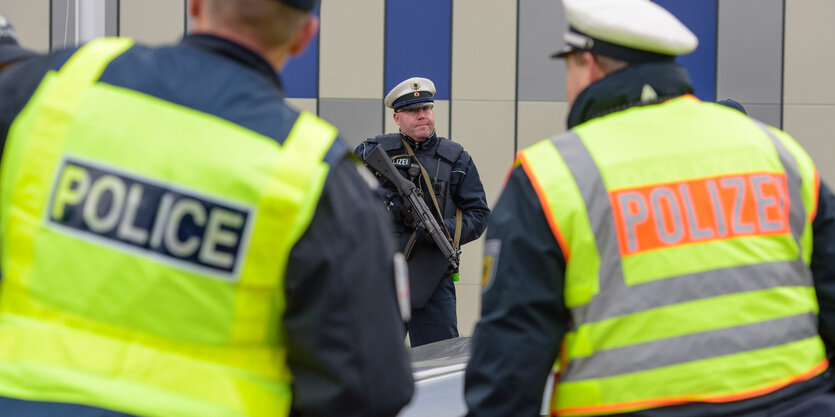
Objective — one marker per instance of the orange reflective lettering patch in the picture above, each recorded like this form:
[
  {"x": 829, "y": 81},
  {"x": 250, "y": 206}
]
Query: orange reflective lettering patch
[{"x": 673, "y": 214}]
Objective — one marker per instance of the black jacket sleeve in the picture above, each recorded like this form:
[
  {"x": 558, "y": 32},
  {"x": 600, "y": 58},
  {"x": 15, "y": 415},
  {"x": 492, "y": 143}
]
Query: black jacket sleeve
[
  {"x": 468, "y": 196},
  {"x": 823, "y": 263},
  {"x": 363, "y": 149},
  {"x": 17, "y": 84},
  {"x": 345, "y": 334},
  {"x": 523, "y": 318}
]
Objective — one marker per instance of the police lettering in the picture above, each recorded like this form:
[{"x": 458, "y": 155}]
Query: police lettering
[
  {"x": 672, "y": 214},
  {"x": 402, "y": 161},
  {"x": 129, "y": 211}
]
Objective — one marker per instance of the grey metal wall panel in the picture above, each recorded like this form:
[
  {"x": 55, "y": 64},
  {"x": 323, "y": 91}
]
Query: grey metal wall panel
[
  {"x": 483, "y": 50},
  {"x": 64, "y": 29},
  {"x": 111, "y": 19},
  {"x": 152, "y": 22},
  {"x": 63, "y": 24},
  {"x": 766, "y": 113},
  {"x": 30, "y": 19},
  {"x": 351, "y": 50},
  {"x": 541, "y": 26},
  {"x": 356, "y": 119},
  {"x": 809, "y": 53},
  {"x": 750, "y": 51},
  {"x": 812, "y": 127}
]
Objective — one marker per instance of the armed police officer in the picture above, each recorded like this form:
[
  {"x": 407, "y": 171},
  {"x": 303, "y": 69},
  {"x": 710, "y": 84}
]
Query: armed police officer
[
  {"x": 452, "y": 190},
  {"x": 673, "y": 257},
  {"x": 177, "y": 241}
]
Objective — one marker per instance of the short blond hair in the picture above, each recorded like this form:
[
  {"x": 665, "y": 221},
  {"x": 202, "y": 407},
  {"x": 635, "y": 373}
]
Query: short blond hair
[
  {"x": 271, "y": 22},
  {"x": 608, "y": 65}
]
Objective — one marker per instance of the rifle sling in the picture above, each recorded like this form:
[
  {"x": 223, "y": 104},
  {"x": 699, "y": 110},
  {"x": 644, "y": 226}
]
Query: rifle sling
[{"x": 426, "y": 179}]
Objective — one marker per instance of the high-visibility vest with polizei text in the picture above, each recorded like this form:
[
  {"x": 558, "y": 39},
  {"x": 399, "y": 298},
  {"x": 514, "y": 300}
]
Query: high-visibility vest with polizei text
[{"x": 686, "y": 229}]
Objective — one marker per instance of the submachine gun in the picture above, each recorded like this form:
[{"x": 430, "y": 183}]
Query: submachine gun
[{"x": 413, "y": 198}]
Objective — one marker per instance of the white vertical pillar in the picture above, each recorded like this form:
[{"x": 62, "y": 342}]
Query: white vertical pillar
[{"x": 89, "y": 20}]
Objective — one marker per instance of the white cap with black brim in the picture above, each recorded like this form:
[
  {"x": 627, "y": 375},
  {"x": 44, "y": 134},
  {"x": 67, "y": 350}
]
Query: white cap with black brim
[{"x": 630, "y": 30}]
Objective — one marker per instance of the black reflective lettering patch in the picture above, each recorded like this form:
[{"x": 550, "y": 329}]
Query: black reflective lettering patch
[
  {"x": 402, "y": 162},
  {"x": 150, "y": 218}
]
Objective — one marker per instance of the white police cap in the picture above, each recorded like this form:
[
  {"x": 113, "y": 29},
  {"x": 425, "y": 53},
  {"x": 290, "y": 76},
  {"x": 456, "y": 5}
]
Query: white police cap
[
  {"x": 411, "y": 93},
  {"x": 629, "y": 30}
]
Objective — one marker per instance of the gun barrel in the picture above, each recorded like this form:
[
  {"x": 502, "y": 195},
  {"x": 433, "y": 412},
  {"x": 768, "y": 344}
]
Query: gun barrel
[
  {"x": 379, "y": 160},
  {"x": 434, "y": 229}
]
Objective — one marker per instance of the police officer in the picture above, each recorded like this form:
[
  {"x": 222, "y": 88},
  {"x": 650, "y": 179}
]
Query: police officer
[
  {"x": 664, "y": 254},
  {"x": 10, "y": 49},
  {"x": 452, "y": 190},
  {"x": 174, "y": 236}
]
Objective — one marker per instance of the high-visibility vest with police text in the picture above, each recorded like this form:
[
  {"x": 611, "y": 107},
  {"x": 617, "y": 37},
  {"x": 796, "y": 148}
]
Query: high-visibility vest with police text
[
  {"x": 144, "y": 246},
  {"x": 686, "y": 229}
]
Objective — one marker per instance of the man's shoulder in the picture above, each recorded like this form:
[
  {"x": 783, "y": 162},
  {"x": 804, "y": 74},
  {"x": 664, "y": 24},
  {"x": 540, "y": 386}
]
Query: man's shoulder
[
  {"x": 389, "y": 142},
  {"x": 367, "y": 146},
  {"x": 449, "y": 149}
]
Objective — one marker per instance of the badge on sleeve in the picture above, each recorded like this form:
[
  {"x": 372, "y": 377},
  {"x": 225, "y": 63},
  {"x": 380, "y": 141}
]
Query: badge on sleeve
[{"x": 488, "y": 266}]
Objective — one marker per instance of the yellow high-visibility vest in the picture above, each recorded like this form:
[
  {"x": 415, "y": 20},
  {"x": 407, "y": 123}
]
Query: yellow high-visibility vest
[
  {"x": 144, "y": 246},
  {"x": 688, "y": 247}
]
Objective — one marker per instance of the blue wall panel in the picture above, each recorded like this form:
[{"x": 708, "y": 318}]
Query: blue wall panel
[
  {"x": 700, "y": 16},
  {"x": 419, "y": 43},
  {"x": 301, "y": 74}
]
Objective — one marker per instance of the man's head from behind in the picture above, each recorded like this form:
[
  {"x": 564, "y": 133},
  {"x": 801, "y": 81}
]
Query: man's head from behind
[
  {"x": 10, "y": 50},
  {"x": 607, "y": 35},
  {"x": 413, "y": 102},
  {"x": 733, "y": 104},
  {"x": 273, "y": 28}
]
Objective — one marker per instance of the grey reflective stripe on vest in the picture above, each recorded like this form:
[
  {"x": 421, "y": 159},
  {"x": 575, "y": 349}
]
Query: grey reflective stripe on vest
[
  {"x": 690, "y": 287},
  {"x": 609, "y": 302},
  {"x": 680, "y": 288},
  {"x": 692, "y": 347},
  {"x": 587, "y": 176},
  {"x": 797, "y": 212}
]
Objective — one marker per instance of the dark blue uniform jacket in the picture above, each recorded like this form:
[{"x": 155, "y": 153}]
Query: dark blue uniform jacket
[
  {"x": 343, "y": 324},
  {"x": 456, "y": 184}
]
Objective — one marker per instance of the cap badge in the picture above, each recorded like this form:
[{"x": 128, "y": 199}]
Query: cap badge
[{"x": 415, "y": 86}]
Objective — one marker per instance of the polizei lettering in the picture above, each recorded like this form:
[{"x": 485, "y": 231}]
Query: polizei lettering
[
  {"x": 402, "y": 162},
  {"x": 182, "y": 227},
  {"x": 673, "y": 214}
]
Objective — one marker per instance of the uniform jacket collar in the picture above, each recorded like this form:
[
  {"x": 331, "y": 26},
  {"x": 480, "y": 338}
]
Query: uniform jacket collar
[
  {"x": 429, "y": 143},
  {"x": 235, "y": 52},
  {"x": 622, "y": 89}
]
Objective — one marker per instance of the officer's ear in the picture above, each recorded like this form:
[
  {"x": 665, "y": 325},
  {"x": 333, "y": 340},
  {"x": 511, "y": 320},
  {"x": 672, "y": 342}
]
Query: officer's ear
[
  {"x": 195, "y": 10},
  {"x": 396, "y": 117},
  {"x": 596, "y": 69},
  {"x": 304, "y": 36}
]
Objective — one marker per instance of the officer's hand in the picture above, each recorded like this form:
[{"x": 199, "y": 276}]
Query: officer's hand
[
  {"x": 423, "y": 235},
  {"x": 398, "y": 210}
]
